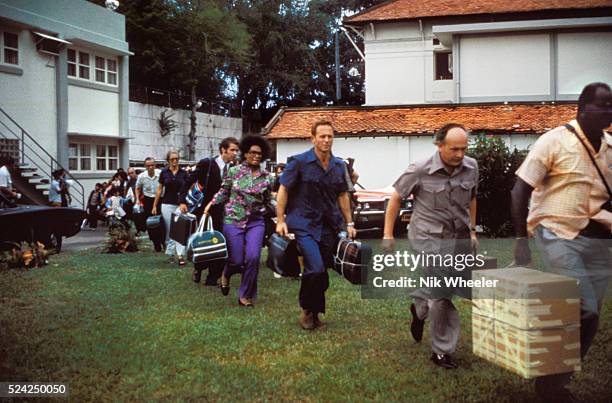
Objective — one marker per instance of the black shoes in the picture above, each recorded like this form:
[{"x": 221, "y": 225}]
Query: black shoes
[
  {"x": 443, "y": 360},
  {"x": 225, "y": 289},
  {"x": 417, "y": 325},
  {"x": 196, "y": 275}
]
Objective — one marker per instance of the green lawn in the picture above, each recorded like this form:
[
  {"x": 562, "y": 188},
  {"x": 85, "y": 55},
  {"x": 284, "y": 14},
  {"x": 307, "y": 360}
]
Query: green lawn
[{"x": 132, "y": 327}]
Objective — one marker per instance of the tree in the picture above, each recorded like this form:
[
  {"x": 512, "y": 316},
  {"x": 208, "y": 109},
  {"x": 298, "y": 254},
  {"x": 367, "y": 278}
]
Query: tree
[
  {"x": 496, "y": 168},
  {"x": 210, "y": 40}
]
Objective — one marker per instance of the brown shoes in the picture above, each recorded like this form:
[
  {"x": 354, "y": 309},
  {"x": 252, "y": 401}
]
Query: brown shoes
[
  {"x": 318, "y": 322},
  {"x": 307, "y": 320}
]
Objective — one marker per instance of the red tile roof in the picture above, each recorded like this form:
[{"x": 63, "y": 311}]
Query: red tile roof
[
  {"x": 290, "y": 123},
  {"x": 409, "y": 9}
]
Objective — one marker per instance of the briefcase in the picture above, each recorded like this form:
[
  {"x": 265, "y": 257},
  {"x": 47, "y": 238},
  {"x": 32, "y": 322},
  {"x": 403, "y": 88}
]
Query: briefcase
[
  {"x": 206, "y": 244},
  {"x": 283, "y": 256},
  {"x": 351, "y": 259},
  {"x": 182, "y": 226},
  {"x": 156, "y": 228}
]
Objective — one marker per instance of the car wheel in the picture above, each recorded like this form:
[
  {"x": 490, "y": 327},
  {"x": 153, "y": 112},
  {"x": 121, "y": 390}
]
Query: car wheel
[{"x": 54, "y": 242}]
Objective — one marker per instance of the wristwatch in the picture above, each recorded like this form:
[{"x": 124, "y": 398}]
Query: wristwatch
[{"x": 350, "y": 224}]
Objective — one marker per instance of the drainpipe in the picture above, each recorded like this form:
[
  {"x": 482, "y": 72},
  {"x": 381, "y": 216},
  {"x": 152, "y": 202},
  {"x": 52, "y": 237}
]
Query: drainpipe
[{"x": 423, "y": 57}]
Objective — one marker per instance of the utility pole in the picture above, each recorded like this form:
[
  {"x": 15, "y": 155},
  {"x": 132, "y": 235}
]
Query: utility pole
[{"x": 338, "y": 88}]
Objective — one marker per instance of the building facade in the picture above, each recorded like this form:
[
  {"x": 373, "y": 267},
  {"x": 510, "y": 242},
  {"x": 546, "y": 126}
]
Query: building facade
[
  {"x": 512, "y": 69},
  {"x": 64, "y": 79}
]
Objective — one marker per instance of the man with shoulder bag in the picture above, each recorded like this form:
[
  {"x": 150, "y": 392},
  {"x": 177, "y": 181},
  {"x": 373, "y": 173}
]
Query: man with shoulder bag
[{"x": 567, "y": 177}]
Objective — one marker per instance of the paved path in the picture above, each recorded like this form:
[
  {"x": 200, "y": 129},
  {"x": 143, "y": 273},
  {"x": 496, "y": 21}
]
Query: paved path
[{"x": 86, "y": 239}]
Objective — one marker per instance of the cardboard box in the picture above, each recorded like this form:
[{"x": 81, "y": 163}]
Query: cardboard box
[{"x": 529, "y": 323}]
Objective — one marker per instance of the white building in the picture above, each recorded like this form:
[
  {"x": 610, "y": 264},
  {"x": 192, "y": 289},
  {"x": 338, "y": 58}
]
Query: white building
[
  {"x": 64, "y": 90},
  {"x": 509, "y": 68}
]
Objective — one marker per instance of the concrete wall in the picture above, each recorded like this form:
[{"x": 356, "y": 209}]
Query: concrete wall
[
  {"x": 400, "y": 65},
  {"x": 583, "y": 57},
  {"x": 92, "y": 111},
  {"x": 381, "y": 160},
  {"x": 508, "y": 65},
  {"x": 27, "y": 93},
  {"x": 146, "y": 139}
]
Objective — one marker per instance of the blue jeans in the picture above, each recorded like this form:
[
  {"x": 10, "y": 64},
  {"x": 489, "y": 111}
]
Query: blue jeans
[{"x": 587, "y": 260}]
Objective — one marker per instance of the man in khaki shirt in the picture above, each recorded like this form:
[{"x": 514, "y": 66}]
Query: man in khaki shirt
[
  {"x": 571, "y": 228},
  {"x": 444, "y": 189}
]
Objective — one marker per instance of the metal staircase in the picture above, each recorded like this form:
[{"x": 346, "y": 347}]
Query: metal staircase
[{"x": 34, "y": 164}]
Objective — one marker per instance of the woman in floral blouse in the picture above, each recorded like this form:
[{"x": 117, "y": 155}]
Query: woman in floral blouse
[{"x": 245, "y": 192}]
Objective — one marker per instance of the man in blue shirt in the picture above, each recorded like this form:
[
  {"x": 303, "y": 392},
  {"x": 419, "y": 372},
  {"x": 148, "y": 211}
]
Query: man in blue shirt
[{"x": 313, "y": 193}]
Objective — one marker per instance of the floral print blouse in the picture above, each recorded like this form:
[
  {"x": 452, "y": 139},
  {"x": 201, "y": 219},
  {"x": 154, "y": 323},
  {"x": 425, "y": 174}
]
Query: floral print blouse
[{"x": 245, "y": 194}]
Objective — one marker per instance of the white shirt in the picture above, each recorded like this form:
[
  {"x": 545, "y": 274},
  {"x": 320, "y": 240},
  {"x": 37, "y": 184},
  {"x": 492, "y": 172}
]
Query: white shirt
[
  {"x": 5, "y": 178},
  {"x": 221, "y": 164},
  {"x": 148, "y": 184},
  {"x": 54, "y": 192}
]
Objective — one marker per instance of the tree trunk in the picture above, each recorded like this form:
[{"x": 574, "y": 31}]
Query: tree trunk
[{"x": 192, "y": 130}]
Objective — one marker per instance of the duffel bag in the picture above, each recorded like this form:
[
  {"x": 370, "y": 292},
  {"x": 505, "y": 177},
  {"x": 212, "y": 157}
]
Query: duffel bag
[
  {"x": 206, "y": 244},
  {"x": 156, "y": 228},
  {"x": 283, "y": 256},
  {"x": 351, "y": 259},
  {"x": 182, "y": 226}
]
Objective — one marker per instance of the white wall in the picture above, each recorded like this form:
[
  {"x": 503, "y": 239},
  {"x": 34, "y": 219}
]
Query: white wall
[
  {"x": 30, "y": 98},
  {"x": 584, "y": 57},
  {"x": 381, "y": 160},
  {"x": 146, "y": 139},
  {"x": 505, "y": 65},
  {"x": 93, "y": 111},
  {"x": 399, "y": 66}
]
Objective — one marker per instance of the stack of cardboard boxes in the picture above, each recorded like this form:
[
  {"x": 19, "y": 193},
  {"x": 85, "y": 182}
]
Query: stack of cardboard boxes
[{"x": 528, "y": 323}]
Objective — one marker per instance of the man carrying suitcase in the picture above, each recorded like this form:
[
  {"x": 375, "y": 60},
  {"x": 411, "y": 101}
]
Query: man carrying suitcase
[
  {"x": 314, "y": 194},
  {"x": 146, "y": 185},
  {"x": 209, "y": 174}
]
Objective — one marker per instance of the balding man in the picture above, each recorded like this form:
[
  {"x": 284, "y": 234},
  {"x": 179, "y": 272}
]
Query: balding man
[{"x": 443, "y": 221}]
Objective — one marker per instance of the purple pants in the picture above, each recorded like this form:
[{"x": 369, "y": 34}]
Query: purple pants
[{"x": 244, "y": 247}]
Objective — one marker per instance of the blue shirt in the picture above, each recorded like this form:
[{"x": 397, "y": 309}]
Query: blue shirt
[{"x": 313, "y": 193}]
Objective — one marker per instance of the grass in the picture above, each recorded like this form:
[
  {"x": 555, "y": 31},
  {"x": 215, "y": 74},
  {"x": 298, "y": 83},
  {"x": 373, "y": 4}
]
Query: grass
[{"x": 132, "y": 327}]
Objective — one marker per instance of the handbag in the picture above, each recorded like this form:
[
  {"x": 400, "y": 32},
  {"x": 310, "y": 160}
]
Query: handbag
[
  {"x": 283, "y": 256},
  {"x": 182, "y": 226},
  {"x": 206, "y": 244},
  {"x": 352, "y": 259},
  {"x": 196, "y": 193}
]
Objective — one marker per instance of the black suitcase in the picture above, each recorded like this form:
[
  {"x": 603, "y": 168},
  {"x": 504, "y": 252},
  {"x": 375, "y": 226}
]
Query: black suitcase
[
  {"x": 156, "y": 228},
  {"x": 283, "y": 256},
  {"x": 182, "y": 226},
  {"x": 140, "y": 221},
  {"x": 351, "y": 259}
]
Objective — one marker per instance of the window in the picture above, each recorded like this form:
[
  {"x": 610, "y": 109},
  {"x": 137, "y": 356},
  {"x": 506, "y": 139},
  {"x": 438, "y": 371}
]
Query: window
[
  {"x": 72, "y": 62},
  {"x": 107, "y": 157},
  {"x": 10, "y": 48},
  {"x": 84, "y": 65},
  {"x": 443, "y": 65},
  {"x": 79, "y": 157},
  {"x": 104, "y": 70}
]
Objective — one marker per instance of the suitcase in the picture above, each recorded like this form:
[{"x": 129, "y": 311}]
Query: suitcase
[
  {"x": 182, "y": 226},
  {"x": 283, "y": 256},
  {"x": 351, "y": 259},
  {"x": 206, "y": 244},
  {"x": 156, "y": 228},
  {"x": 140, "y": 220}
]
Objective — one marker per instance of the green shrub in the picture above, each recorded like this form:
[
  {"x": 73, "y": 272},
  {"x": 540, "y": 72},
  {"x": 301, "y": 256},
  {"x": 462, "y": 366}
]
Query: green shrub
[
  {"x": 497, "y": 166},
  {"x": 121, "y": 238}
]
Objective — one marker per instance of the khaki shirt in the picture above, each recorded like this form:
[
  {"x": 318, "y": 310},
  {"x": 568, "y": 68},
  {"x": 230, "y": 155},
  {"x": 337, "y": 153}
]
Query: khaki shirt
[
  {"x": 441, "y": 207},
  {"x": 568, "y": 191}
]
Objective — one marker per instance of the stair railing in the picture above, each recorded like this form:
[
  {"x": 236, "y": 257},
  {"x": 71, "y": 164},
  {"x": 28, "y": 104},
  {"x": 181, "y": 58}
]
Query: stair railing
[{"x": 44, "y": 161}]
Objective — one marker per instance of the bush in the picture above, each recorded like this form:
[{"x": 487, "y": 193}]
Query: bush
[
  {"x": 121, "y": 238},
  {"x": 24, "y": 255},
  {"x": 497, "y": 166}
]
